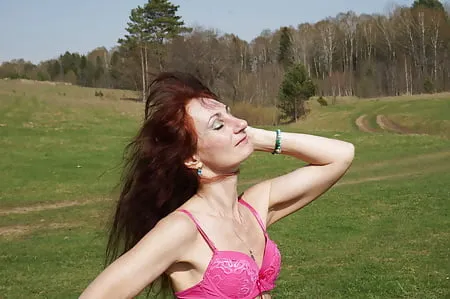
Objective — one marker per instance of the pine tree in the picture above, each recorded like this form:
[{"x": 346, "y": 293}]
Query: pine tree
[
  {"x": 99, "y": 72},
  {"x": 431, "y": 4},
  {"x": 149, "y": 28},
  {"x": 295, "y": 89},
  {"x": 54, "y": 69},
  {"x": 136, "y": 38},
  {"x": 285, "y": 56},
  {"x": 162, "y": 25}
]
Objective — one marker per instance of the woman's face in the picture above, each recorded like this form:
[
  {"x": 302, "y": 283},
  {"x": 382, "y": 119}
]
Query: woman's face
[{"x": 222, "y": 141}]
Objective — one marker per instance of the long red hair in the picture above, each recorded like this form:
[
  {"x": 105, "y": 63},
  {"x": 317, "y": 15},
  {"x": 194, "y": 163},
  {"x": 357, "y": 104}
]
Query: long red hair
[{"x": 155, "y": 179}]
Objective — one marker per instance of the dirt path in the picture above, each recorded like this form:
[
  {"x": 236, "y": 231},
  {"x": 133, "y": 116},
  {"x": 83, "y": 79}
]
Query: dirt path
[
  {"x": 388, "y": 125},
  {"x": 405, "y": 161},
  {"x": 376, "y": 165},
  {"x": 75, "y": 203},
  {"x": 49, "y": 206},
  {"x": 378, "y": 178},
  {"x": 383, "y": 123},
  {"x": 363, "y": 124},
  {"x": 18, "y": 230}
]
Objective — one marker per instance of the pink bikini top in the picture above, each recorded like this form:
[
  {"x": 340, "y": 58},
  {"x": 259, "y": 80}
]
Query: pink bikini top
[{"x": 233, "y": 274}]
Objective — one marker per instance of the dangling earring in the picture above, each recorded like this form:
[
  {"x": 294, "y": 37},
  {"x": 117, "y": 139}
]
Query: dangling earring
[{"x": 199, "y": 171}]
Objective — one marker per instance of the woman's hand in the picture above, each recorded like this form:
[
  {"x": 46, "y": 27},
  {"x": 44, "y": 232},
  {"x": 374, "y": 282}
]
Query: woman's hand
[{"x": 262, "y": 140}]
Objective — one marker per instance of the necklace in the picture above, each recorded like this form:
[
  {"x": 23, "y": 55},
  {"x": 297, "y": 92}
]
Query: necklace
[
  {"x": 237, "y": 235},
  {"x": 249, "y": 248},
  {"x": 251, "y": 254},
  {"x": 245, "y": 243}
]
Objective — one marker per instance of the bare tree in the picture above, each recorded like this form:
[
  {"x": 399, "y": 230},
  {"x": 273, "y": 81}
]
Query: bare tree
[
  {"x": 303, "y": 43},
  {"x": 327, "y": 31},
  {"x": 348, "y": 24}
]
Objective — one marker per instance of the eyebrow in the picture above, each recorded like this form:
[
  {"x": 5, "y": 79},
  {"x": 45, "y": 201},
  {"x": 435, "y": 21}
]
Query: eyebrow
[
  {"x": 227, "y": 109},
  {"x": 214, "y": 115}
]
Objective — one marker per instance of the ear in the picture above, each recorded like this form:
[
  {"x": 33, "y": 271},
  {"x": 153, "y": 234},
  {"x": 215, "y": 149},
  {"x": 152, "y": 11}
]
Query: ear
[{"x": 193, "y": 163}]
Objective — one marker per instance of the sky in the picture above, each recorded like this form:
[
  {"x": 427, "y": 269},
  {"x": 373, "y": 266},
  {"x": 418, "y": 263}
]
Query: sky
[{"x": 44, "y": 29}]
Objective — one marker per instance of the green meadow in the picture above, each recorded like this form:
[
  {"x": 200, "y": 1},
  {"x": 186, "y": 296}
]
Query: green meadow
[{"x": 382, "y": 232}]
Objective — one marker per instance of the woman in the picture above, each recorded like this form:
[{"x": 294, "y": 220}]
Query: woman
[{"x": 179, "y": 217}]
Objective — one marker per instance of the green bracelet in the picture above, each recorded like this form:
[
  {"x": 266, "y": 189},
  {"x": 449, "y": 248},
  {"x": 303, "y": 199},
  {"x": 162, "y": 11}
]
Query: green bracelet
[{"x": 277, "y": 149}]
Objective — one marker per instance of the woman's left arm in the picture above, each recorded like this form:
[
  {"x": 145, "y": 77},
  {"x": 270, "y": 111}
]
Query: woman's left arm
[{"x": 328, "y": 161}]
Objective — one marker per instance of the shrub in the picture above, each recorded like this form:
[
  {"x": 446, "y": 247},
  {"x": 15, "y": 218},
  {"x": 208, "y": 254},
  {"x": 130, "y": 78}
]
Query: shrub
[
  {"x": 98, "y": 93},
  {"x": 428, "y": 86},
  {"x": 322, "y": 101},
  {"x": 256, "y": 115}
]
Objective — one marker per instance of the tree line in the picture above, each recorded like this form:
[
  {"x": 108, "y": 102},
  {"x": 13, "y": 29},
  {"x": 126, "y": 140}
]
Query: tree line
[{"x": 405, "y": 51}]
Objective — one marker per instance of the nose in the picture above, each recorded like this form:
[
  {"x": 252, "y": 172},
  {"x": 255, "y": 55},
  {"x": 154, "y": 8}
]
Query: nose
[{"x": 240, "y": 125}]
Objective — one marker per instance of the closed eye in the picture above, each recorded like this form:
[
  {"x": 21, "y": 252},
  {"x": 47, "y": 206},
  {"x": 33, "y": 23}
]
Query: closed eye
[{"x": 217, "y": 124}]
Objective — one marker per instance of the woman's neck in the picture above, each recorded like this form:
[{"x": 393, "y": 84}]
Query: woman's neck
[{"x": 221, "y": 197}]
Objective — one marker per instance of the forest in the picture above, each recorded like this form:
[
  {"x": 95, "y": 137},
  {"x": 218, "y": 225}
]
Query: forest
[{"x": 404, "y": 51}]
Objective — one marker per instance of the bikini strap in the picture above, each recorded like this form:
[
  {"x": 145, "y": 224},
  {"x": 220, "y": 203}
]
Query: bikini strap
[
  {"x": 255, "y": 213},
  {"x": 210, "y": 243}
]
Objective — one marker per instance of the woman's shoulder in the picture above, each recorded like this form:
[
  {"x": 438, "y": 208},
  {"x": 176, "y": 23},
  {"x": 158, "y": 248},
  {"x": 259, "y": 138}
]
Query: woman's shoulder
[
  {"x": 179, "y": 221},
  {"x": 257, "y": 197},
  {"x": 176, "y": 227}
]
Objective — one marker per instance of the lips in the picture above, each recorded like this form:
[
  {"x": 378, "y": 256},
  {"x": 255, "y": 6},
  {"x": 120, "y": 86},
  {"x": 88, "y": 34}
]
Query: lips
[{"x": 243, "y": 140}]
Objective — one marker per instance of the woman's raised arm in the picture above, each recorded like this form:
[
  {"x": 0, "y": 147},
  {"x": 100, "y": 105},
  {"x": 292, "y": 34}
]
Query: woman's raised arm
[{"x": 328, "y": 161}]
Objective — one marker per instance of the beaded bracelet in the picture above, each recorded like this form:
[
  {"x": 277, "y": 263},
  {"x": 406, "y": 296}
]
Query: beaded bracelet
[{"x": 277, "y": 149}]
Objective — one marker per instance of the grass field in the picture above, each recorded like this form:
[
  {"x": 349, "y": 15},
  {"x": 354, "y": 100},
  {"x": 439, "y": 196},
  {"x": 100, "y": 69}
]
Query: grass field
[{"x": 382, "y": 232}]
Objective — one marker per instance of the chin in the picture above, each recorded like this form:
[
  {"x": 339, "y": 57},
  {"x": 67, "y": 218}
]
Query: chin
[
  {"x": 250, "y": 150},
  {"x": 233, "y": 163},
  {"x": 236, "y": 166},
  {"x": 247, "y": 154}
]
